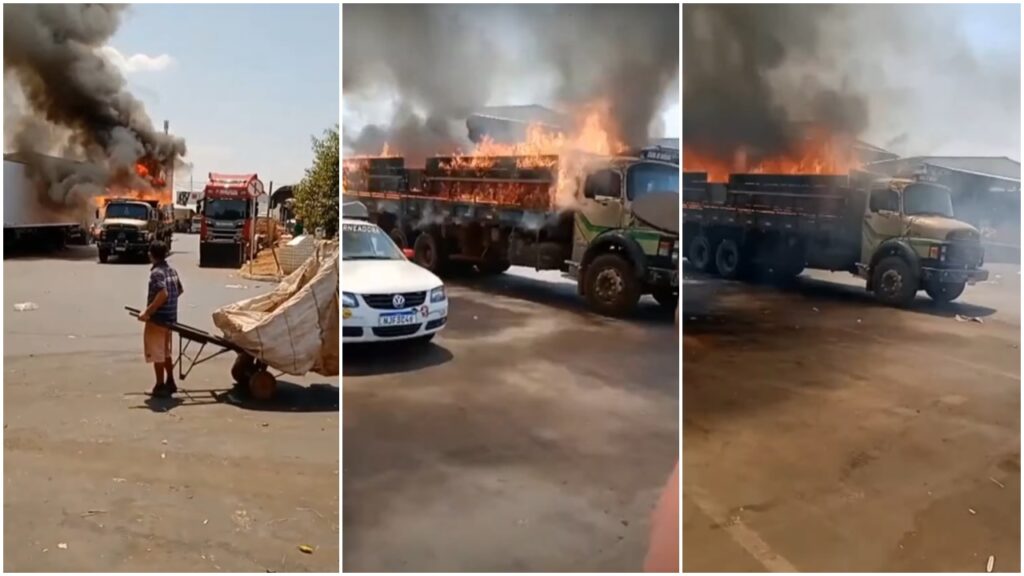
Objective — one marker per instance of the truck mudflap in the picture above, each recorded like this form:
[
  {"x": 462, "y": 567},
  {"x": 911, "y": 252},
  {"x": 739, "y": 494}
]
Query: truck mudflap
[
  {"x": 954, "y": 276},
  {"x": 663, "y": 277}
]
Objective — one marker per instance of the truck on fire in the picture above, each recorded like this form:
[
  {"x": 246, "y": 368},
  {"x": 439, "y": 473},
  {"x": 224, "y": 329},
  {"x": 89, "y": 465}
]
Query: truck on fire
[
  {"x": 609, "y": 223},
  {"x": 900, "y": 235},
  {"x": 129, "y": 226},
  {"x": 228, "y": 219}
]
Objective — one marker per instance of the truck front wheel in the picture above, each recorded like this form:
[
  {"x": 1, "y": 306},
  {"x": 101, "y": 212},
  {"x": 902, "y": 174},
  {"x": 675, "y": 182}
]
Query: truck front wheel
[
  {"x": 944, "y": 292},
  {"x": 668, "y": 299},
  {"x": 700, "y": 254},
  {"x": 894, "y": 281},
  {"x": 728, "y": 259},
  {"x": 611, "y": 285},
  {"x": 104, "y": 255}
]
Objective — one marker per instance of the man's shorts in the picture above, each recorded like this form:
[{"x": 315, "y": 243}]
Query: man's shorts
[{"x": 156, "y": 341}]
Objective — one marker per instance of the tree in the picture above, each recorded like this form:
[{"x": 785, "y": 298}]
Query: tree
[{"x": 316, "y": 195}]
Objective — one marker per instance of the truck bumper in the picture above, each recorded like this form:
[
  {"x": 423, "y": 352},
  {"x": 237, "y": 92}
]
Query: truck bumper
[
  {"x": 949, "y": 276},
  {"x": 663, "y": 277},
  {"x": 123, "y": 247}
]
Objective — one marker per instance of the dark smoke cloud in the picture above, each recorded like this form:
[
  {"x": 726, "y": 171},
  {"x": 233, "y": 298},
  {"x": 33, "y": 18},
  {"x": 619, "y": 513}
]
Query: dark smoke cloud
[
  {"x": 447, "y": 61},
  {"x": 51, "y": 51},
  {"x": 910, "y": 78},
  {"x": 730, "y": 53}
]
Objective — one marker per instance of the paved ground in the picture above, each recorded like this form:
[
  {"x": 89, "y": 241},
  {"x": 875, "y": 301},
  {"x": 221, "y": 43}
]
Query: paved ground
[
  {"x": 532, "y": 436},
  {"x": 823, "y": 432},
  {"x": 200, "y": 486}
]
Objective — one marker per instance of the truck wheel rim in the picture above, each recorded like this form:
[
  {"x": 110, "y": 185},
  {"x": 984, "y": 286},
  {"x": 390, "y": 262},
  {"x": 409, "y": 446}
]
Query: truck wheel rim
[
  {"x": 892, "y": 282},
  {"x": 609, "y": 285},
  {"x": 729, "y": 259}
]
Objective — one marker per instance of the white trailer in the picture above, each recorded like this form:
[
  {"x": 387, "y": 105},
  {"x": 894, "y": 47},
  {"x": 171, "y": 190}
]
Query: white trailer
[{"x": 27, "y": 221}]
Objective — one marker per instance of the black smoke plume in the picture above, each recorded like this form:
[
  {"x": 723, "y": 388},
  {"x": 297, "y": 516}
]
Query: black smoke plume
[{"x": 445, "y": 62}]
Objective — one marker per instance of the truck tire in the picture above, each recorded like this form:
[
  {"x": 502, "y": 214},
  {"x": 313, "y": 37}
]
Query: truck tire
[
  {"x": 728, "y": 259},
  {"x": 398, "y": 237},
  {"x": 894, "y": 281},
  {"x": 611, "y": 285},
  {"x": 701, "y": 255},
  {"x": 944, "y": 292},
  {"x": 103, "y": 255},
  {"x": 429, "y": 252}
]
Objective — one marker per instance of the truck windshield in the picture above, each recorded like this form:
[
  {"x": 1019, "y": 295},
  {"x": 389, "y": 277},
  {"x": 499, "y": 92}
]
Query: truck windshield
[
  {"x": 131, "y": 211},
  {"x": 924, "y": 199},
  {"x": 225, "y": 209},
  {"x": 367, "y": 242},
  {"x": 648, "y": 177}
]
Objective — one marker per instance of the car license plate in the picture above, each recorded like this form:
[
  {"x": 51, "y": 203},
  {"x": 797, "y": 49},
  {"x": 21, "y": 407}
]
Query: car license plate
[
  {"x": 120, "y": 248},
  {"x": 398, "y": 318}
]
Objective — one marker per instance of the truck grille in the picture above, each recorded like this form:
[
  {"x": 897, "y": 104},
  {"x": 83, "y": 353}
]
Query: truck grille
[
  {"x": 122, "y": 233},
  {"x": 967, "y": 254},
  {"x": 387, "y": 301},
  {"x": 395, "y": 331}
]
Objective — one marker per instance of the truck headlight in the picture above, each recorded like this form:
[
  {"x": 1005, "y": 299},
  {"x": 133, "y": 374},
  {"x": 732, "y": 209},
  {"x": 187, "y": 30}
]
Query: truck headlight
[
  {"x": 665, "y": 247},
  {"x": 348, "y": 300},
  {"x": 438, "y": 295}
]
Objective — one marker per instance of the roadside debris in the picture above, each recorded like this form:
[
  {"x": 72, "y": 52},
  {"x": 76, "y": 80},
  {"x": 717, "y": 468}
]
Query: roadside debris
[
  {"x": 236, "y": 286},
  {"x": 64, "y": 546},
  {"x": 26, "y": 306},
  {"x": 991, "y": 563},
  {"x": 996, "y": 482},
  {"x": 306, "y": 549},
  {"x": 971, "y": 510},
  {"x": 962, "y": 318}
]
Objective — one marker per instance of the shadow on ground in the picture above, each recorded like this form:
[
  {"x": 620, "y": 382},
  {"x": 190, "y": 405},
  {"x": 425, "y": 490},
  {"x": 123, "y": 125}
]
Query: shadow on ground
[
  {"x": 559, "y": 295},
  {"x": 288, "y": 397},
  {"x": 392, "y": 357}
]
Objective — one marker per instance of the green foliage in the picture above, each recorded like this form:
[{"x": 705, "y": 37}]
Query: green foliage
[{"x": 316, "y": 195}]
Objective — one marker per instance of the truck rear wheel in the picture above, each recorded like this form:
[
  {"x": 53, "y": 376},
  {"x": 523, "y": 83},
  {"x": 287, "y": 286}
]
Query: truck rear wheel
[
  {"x": 700, "y": 254},
  {"x": 728, "y": 259},
  {"x": 894, "y": 281},
  {"x": 429, "y": 253},
  {"x": 944, "y": 292},
  {"x": 611, "y": 285}
]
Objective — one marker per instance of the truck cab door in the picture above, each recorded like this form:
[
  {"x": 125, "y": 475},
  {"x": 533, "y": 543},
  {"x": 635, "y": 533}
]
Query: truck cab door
[
  {"x": 599, "y": 209},
  {"x": 882, "y": 221}
]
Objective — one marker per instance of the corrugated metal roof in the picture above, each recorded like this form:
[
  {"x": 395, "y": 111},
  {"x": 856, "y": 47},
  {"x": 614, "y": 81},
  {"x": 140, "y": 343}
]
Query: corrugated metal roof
[
  {"x": 524, "y": 114},
  {"x": 999, "y": 167}
]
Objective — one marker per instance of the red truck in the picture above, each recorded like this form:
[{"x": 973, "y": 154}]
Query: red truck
[{"x": 228, "y": 210}]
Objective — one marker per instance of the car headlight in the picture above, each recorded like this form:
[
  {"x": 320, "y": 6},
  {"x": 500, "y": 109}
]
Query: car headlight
[
  {"x": 348, "y": 300},
  {"x": 438, "y": 295}
]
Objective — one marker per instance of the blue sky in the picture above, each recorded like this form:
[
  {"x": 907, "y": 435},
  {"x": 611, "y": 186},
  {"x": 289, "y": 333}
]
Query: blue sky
[{"x": 245, "y": 85}]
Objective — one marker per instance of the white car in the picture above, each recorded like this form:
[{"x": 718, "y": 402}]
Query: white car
[{"x": 384, "y": 296}]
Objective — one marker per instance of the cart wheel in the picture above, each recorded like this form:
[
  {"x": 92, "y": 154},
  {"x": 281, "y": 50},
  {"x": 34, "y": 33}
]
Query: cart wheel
[
  {"x": 262, "y": 385},
  {"x": 242, "y": 369}
]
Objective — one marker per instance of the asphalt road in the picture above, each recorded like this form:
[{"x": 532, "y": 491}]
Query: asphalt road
[
  {"x": 96, "y": 479},
  {"x": 824, "y": 432},
  {"x": 531, "y": 436}
]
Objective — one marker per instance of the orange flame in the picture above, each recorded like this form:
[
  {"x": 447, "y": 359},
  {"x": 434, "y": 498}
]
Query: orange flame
[
  {"x": 819, "y": 153},
  {"x": 150, "y": 172}
]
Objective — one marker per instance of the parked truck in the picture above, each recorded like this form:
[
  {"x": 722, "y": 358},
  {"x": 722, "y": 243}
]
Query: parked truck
[
  {"x": 900, "y": 235},
  {"x": 611, "y": 223},
  {"x": 227, "y": 227},
  {"x": 28, "y": 222},
  {"x": 128, "y": 227}
]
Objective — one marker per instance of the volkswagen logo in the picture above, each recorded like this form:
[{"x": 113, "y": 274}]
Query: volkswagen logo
[{"x": 398, "y": 300}]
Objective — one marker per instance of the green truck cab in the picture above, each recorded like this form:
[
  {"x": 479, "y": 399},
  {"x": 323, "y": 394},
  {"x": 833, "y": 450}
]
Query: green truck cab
[
  {"x": 128, "y": 227},
  {"x": 911, "y": 240}
]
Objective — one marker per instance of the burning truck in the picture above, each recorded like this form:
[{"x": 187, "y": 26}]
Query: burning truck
[
  {"x": 608, "y": 221},
  {"x": 900, "y": 235}
]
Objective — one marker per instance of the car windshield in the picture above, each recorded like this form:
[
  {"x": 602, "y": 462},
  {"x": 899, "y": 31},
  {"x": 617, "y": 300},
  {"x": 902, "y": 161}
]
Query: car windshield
[
  {"x": 649, "y": 177},
  {"x": 367, "y": 242},
  {"x": 132, "y": 211},
  {"x": 924, "y": 199},
  {"x": 225, "y": 209}
]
